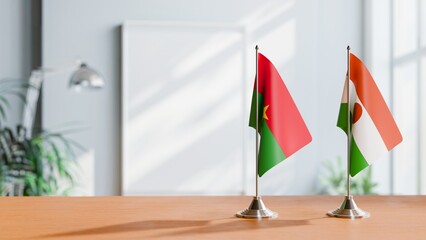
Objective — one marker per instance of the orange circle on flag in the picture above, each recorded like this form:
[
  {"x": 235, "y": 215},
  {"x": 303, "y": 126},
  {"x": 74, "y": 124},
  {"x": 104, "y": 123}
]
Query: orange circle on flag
[{"x": 357, "y": 112}]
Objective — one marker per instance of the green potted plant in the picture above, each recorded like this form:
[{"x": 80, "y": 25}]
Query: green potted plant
[
  {"x": 333, "y": 181},
  {"x": 32, "y": 166}
]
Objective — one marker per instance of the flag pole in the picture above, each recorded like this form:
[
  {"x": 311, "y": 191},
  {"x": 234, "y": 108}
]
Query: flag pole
[
  {"x": 257, "y": 208},
  {"x": 257, "y": 122},
  {"x": 348, "y": 208},
  {"x": 348, "y": 180}
]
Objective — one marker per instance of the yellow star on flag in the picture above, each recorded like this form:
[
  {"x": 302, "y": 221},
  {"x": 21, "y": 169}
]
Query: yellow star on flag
[{"x": 264, "y": 112}]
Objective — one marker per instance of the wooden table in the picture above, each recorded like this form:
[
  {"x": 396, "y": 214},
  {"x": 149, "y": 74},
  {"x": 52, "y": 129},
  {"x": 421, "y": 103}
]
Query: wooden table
[{"x": 302, "y": 217}]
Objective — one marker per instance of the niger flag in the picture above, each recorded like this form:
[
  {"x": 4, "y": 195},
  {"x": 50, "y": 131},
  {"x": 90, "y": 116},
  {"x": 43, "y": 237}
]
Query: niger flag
[
  {"x": 374, "y": 131},
  {"x": 281, "y": 127}
]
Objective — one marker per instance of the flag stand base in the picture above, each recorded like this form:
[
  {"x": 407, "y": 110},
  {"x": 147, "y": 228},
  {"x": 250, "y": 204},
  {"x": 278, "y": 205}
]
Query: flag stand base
[
  {"x": 348, "y": 209},
  {"x": 257, "y": 209}
]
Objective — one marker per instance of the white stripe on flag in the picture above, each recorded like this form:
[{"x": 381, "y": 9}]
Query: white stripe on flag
[{"x": 366, "y": 135}]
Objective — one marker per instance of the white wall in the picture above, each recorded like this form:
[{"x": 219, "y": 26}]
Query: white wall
[
  {"x": 305, "y": 39},
  {"x": 15, "y": 47},
  {"x": 340, "y": 25}
]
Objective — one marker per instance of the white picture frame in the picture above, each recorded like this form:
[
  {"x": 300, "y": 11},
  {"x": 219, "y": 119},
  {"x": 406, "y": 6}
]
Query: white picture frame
[{"x": 198, "y": 149}]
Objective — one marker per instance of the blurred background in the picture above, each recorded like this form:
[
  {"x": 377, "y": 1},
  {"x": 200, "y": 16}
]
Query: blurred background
[{"x": 174, "y": 81}]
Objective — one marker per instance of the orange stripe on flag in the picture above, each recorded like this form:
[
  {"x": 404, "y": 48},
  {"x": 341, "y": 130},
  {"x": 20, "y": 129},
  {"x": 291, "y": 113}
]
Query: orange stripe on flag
[{"x": 372, "y": 100}]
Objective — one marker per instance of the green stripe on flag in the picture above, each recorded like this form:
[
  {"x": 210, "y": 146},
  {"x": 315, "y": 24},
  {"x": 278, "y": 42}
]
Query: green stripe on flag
[
  {"x": 358, "y": 162},
  {"x": 270, "y": 153},
  {"x": 342, "y": 120},
  {"x": 252, "y": 120}
]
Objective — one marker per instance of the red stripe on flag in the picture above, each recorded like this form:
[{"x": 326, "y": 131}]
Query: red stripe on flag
[
  {"x": 284, "y": 119},
  {"x": 373, "y": 102}
]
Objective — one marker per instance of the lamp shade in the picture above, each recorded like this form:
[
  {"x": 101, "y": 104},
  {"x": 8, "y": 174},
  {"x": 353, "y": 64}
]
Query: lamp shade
[{"x": 86, "y": 77}]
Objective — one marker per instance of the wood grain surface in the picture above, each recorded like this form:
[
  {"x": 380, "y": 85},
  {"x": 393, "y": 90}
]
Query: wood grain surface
[{"x": 300, "y": 217}]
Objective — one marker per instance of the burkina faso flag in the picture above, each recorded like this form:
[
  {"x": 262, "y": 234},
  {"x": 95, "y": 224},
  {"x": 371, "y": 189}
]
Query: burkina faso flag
[{"x": 281, "y": 127}]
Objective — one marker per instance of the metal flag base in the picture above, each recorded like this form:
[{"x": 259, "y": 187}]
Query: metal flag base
[
  {"x": 348, "y": 209},
  {"x": 257, "y": 209}
]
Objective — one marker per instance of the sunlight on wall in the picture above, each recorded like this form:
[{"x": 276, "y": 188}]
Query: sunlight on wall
[
  {"x": 188, "y": 94},
  {"x": 265, "y": 13},
  {"x": 283, "y": 38},
  {"x": 405, "y": 33},
  {"x": 213, "y": 46}
]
